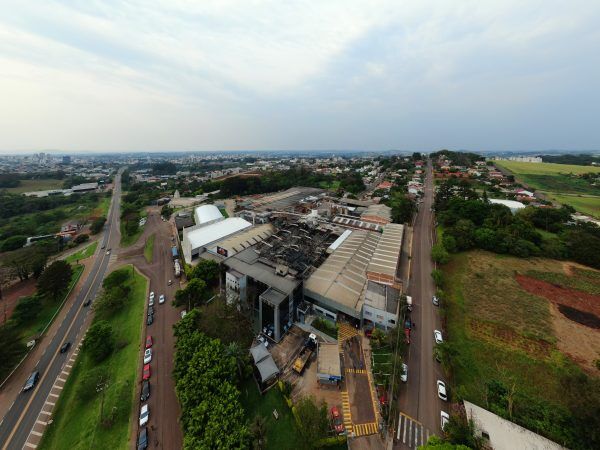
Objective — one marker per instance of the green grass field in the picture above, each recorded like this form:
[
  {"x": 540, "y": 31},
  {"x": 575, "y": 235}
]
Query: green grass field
[
  {"x": 520, "y": 168},
  {"x": 282, "y": 433},
  {"x": 76, "y": 418},
  {"x": 36, "y": 185},
  {"x": 149, "y": 248},
  {"x": 129, "y": 239},
  {"x": 560, "y": 183},
  {"x": 497, "y": 331},
  {"x": 83, "y": 253}
]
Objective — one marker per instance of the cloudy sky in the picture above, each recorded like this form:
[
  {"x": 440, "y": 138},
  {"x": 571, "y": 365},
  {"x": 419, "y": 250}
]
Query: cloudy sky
[{"x": 252, "y": 74}]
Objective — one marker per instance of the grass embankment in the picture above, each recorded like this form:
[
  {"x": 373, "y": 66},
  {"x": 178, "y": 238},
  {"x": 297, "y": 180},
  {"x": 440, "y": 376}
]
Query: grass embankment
[
  {"x": 149, "y": 249},
  {"x": 502, "y": 340},
  {"x": 77, "y": 421},
  {"x": 129, "y": 239},
  {"x": 559, "y": 182},
  {"x": 83, "y": 253},
  {"x": 282, "y": 433},
  {"x": 44, "y": 184},
  {"x": 102, "y": 209},
  {"x": 49, "y": 309}
]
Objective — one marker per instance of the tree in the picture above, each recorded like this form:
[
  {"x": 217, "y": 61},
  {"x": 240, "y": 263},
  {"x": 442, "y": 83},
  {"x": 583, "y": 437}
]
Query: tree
[
  {"x": 438, "y": 277},
  {"x": 439, "y": 254},
  {"x": 437, "y": 443},
  {"x": 97, "y": 225},
  {"x": 27, "y": 309},
  {"x": 194, "y": 294},
  {"x": 81, "y": 238},
  {"x": 460, "y": 430},
  {"x": 55, "y": 279},
  {"x": 312, "y": 420},
  {"x": 206, "y": 270},
  {"x": 99, "y": 340},
  {"x": 12, "y": 348},
  {"x": 13, "y": 243},
  {"x": 258, "y": 430}
]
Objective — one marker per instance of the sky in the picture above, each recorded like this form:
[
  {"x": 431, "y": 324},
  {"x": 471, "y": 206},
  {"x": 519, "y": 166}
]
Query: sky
[{"x": 157, "y": 75}]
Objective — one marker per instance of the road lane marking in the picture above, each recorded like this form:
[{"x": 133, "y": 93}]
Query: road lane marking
[
  {"x": 36, "y": 433},
  {"x": 41, "y": 422},
  {"x": 29, "y": 444},
  {"x": 50, "y": 403}
]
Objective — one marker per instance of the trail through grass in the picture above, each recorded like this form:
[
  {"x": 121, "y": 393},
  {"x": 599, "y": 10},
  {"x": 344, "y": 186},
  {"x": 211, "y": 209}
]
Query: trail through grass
[{"x": 149, "y": 248}]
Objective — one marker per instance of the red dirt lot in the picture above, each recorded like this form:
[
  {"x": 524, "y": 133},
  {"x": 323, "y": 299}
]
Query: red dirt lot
[
  {"x": 578, "y": 306},
  {"x": 12, "y": 294}
]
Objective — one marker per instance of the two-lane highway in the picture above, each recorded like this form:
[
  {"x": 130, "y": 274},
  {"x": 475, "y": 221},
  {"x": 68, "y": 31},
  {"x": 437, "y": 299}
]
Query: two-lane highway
[
  {"x": 419, "y": 403},
  {"x": 20, "y": 419}
]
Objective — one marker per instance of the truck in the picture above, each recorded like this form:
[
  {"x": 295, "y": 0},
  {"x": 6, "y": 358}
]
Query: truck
[
  {"x": 175, "y": 253},
  {"x": 177, "y": 268},
  {"x": 307, "y": 350}
]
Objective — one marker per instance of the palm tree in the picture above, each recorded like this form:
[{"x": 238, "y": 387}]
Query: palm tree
[{"x": 258, "y": 428}]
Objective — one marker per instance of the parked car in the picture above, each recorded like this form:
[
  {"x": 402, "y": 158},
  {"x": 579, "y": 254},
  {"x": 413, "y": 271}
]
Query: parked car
[
  {"x": 436, "y": 301},
  {"x": 161, "y": 299},
  {"x": 65, "y": 347},
  {"x": 143, "y": 439},
  {"x": 441, "y": 387},
  {"x": 152, "y": 295},
  {"x": 87, "y": 302},
  {"x": 404, "y": 375},
  {"x": 337, "y": 422},
  {"x": 144, "y": 413},
  {"x": 108, "y": 251},
  {"x": 31, "y": 381},
  {"x": 149, "y": 341},
  {"x": 444, "y": 418},
  {"x": 146, "y": 372},
  {"x": 151, "y": 301},
  {"x": 150, "y": 319},
  {"x": 151, "y": 310},
  {"x": 145, "y": 391},
  {"x": 437, "y": 335},
  {"x": 183, "y": 313},
  {"x": 147, "y": 356}
]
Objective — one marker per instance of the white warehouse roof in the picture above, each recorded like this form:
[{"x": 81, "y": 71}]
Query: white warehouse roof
[
  {"x": 202, "y": 236},
  {"x": 511, "y": 204},
  {"x": 207, "y": 214}
]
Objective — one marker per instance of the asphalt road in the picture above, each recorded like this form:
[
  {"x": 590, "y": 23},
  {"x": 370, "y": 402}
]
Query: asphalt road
[
  {"x": 21, "y": 417},
  {"x": 419, "y": 402},
  {"x": 164, "y": 430}
]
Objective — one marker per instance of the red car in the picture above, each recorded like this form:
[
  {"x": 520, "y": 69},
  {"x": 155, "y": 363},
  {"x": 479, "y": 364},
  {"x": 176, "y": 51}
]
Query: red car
[
  {"x": 336, "y": 420},
  {"x": 149, "y": 342},
  {"x": 146, "y": 374}
]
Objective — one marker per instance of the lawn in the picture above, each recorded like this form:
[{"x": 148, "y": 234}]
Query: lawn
[
  {"x": 83, "y": 253},
  {"x": 76, "y": 418},
  {"x": 102, "y": 209},
  {"x": 149, "y": 248},
  {"x": 498, "y": 332},
  {"x": 282, "y": 433},
  {"x": 44, "y": 184},
  {"x": 47, "y": 311}
]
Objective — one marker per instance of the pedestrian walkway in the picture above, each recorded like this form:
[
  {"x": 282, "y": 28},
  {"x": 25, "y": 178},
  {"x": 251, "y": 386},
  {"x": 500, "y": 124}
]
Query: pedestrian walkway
[
  {"x": 411, "y": 432},
  {"x": 364, "y": 429}
]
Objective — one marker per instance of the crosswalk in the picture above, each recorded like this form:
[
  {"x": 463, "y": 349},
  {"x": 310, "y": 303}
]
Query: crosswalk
[
  {"x": 361, "y": 371},
  {"x": 345, "y": 332},
  {"x": 411, "y": 432},
  {"x": 364, "y": 429},
  {"x": 346, "y": 412}
]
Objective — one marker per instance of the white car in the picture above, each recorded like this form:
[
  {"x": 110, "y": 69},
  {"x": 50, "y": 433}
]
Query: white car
[
  {"x": 436, "y": 301},
  {"x": 148, "y": 356},
  {"x": 183, "y": 313},
  {"x": 441, "y": 387},
  {"x": 444, "y": 418},
  {"x": 151, "y": 302},
  {"x": 144, "y": 414},
  {"x": 161, "y": 299},
  {"x": 437, "y": 335},
  {"x": 404, "y": 376}
]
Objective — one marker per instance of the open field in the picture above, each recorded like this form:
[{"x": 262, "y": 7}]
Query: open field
[
  {"x": 83, "y": 253},
  {"x": 36, "y": 185},
  {"x": 508, "y": 331},
  {"x": 519, "y": 168},
  {"x": 559, "y": 182},
  {"x": 77, "y": 423}
]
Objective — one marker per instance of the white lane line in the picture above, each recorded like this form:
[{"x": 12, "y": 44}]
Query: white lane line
[
  {"x": 48, "y": 413},
  {"x": 41, "y": 422},
  {"x": 29, "y": 444},
  {"x": 61, "y": 379},
  {"x": 65, "y": 372},
  {"x": 399, "y": 427},
  {"x": 404, "y": 434},
  {"x": 58, "y": 387},
  {"x": 53, "y": 395},
  {"x": 36, "y": 433},
  {"x": 69, "y": 366},
  {"x": 50, "y": 403}
]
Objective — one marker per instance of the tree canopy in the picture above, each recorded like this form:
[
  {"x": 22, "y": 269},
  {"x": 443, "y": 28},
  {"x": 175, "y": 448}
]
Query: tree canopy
[{"x": 55, "y": 279}]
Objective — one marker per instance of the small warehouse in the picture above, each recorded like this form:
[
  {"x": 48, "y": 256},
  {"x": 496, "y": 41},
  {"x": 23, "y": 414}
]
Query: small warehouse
[
  {"x": 329, "y": 368},
  {"x": 264, "y": 363}
]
